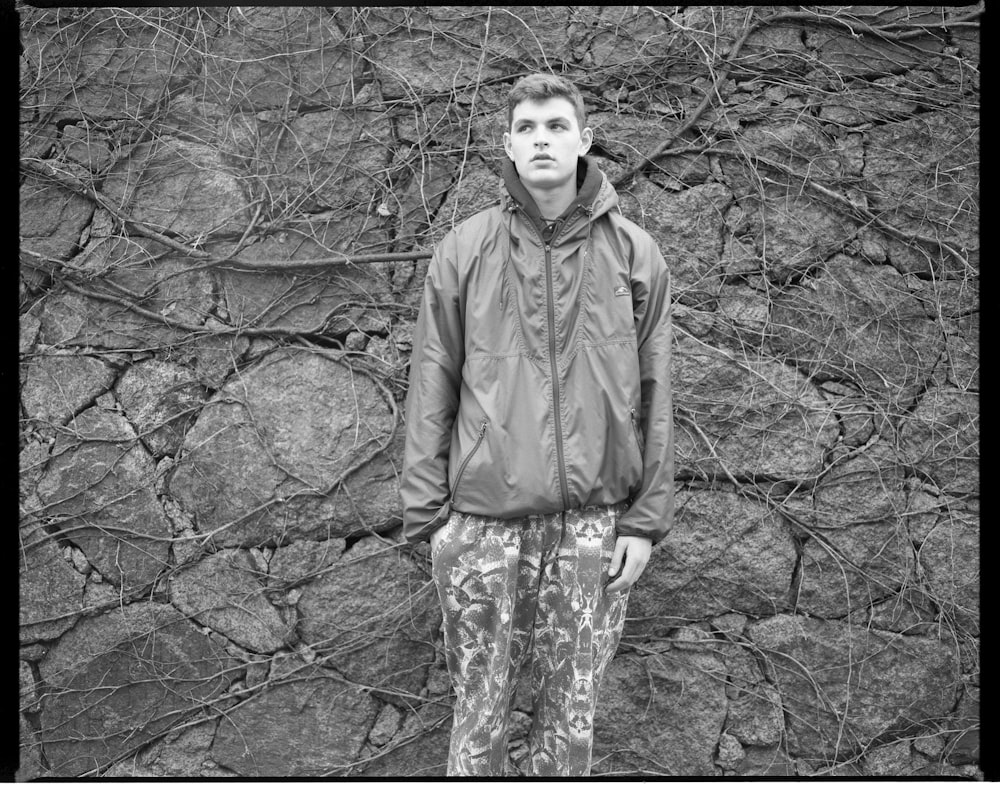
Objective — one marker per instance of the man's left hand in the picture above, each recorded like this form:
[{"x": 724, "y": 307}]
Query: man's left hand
[{"x": 633, "y": 551}]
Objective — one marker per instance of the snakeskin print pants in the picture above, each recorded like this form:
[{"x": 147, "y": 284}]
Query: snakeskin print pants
[{"x": 527, "y": 588}]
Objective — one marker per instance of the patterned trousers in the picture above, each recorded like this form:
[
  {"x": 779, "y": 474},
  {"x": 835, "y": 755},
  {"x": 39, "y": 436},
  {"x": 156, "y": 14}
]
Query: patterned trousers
[{"x": 527, "y": 588}]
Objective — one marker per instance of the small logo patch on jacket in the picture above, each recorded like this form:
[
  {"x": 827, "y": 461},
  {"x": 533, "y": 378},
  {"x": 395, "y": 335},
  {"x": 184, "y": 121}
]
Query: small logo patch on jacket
[{"x": 622, "y": 290}]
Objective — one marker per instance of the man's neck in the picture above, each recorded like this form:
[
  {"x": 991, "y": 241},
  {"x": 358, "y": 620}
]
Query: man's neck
[{"x": 552, "y": 203}]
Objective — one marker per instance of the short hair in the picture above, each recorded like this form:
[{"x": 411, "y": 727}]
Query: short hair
[{"x": 539, "y": 87}]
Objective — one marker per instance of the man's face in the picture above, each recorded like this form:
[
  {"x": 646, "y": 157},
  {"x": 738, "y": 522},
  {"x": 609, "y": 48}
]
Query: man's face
[{"x": 545, "y": 141}]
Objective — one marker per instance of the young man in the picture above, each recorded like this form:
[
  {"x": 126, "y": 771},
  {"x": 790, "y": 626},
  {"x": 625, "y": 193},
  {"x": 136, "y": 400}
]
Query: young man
[{"x": 539, "y": 438}]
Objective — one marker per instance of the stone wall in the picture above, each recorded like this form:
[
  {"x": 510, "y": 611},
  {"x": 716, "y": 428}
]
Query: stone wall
[{"x": 226, "y": 215}]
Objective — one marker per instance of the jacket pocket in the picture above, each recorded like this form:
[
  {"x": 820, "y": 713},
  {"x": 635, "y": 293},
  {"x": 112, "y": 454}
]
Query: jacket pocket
[
  {"x": 468, "y": 457},
  {"x": 638, "y": 433}
]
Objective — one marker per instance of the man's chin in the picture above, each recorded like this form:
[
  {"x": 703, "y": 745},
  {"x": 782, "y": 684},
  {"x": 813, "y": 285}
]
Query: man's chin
[{"x": 544, "y": 180}]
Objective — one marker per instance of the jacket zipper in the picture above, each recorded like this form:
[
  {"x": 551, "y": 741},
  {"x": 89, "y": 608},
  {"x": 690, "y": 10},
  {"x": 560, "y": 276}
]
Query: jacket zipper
[
  {"x": 556, "y": 389},
  {"x": 635, "y": 430},
  {"x": 553, "y": 359},
  {"x": 468, "y": 457}
]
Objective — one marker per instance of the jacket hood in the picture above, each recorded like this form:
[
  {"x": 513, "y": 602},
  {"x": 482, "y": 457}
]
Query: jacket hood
[{"x": 594, "y": 192}]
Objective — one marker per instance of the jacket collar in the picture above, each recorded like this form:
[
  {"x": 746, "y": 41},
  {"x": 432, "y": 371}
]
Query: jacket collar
[{"x": 589, "y": 180}]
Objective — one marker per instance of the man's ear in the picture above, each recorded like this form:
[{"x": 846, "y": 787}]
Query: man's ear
[
  {"x": 507, "y": 146},
  {"x": 586, "y": 139}
]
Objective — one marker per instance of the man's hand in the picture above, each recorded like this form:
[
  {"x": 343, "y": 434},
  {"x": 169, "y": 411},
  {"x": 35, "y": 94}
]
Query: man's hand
[
  {"x": 635, "y": 552},
  {"x": 434, "y": 538}
]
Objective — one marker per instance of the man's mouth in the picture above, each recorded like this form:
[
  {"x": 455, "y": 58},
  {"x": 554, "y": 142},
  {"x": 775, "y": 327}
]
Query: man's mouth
[{"x": 542, "y": 158}]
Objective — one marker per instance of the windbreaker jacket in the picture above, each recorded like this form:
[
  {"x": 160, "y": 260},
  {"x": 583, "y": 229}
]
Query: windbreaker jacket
[{"x": 540, "y": 373}]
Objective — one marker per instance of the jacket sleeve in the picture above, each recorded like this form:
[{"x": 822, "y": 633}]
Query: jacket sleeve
[
  {"x": 651, "y": 514},
  {"x": 432, "y": 398}
]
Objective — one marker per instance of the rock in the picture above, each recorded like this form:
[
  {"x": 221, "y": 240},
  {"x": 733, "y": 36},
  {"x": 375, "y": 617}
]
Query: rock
[
  {"x": 730, "y": 625},
  {"x": 408, "y": 65},
  {"x": 849, "y": 566},
  {"x": 929, "y": 745},
  {"x": 660, "y": 714},
  {"x": 862, "y": 324},
  {"x": 28, "y": 695},
  {"x": 604, "y": 37},
  {"x": 754, "y": 715},
  {"x": 100, "y": 483},
  {"x": 779, "y": 47},
  {"x": 69, "y": 319},
  {"x": 331, "y": 720},
  {"x": 51, "y": 592},
  {"x": 79, "y": 561},
  {"x": 908, "y": 612},
  {"x": 766, "y": 761},
  {"x": 28, "y": 327},
  {"x": 724, "y": 553},
  {"x": 963, "y": 353},
  {"x": 744, "y": 308},
  {"x": 746, "y": 417},
  {"x": 261, "y": 454},
  {"x": 916, "y": 199},
  {"x": 333, "y": 302},
  {"x": 105, "y": 67},
  {"x": 859, "y": 420},
  {"x": 860, "y": 488},
  {"x": 325, "y": 158},
  {"x": 798, "y": 145},
  {"x": 419, "y": 748},
  {"x": 30, "y": 766},
  {"x": 836, "y": 707},
  {"x": 140, "y": 273},
  {"x": 51, "y": 219},
  {"x": 304, "y": 561},
  {"x": 963, "y": 744},
  {"x": 629, "y": 139},
  {"x": 122, "y": 678},
  {"x": 225, "y": 592},
  {"x": 161, "y": 400},
  {"x": 179, "y": 753},
  {"x": 386, "y": 724},
  {"x": 847, "y": 54},
  {"x": 56, "y": 386},
  {"x": 213, "y": 358},
  {"x": 688, "y": 227},
  {"x": 890, "y": 760},
  {"x": 260, "y": 54},
  {"x": 86, "y": 146},
  {"x": 31, "y": 465},
  {"x": 186, "y": 544},
  {"x": 374, "y": 618},
  {"x": 430, "y": 185},
  {"x": 730, "y": 754},
  {"x": 477, "y": 188},
  {"x": 97, "y": 595},
  {"x": 778, "y": 234},
  {"x": 941, "y": 438},
  {"x": 173, "y": 184},
  {"x": 950, "y": 558}
]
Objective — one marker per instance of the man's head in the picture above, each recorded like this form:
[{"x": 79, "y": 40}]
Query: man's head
[
  {"x": 545, "y": 131},
  {"x": 538, "y": 88}
]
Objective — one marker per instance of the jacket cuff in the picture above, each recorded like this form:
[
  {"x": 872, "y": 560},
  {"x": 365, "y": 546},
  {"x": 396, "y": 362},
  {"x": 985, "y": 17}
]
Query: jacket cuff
[{"x": 416, "y": 533}]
